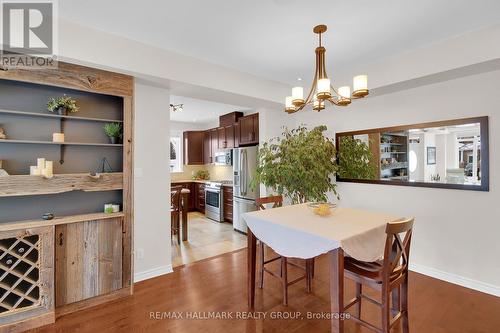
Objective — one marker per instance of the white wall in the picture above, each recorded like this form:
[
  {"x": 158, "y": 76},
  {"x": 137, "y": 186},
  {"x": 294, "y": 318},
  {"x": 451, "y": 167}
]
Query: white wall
[
  {"x": 151, "y": 183},
  {"x": 456, "y": 232}
]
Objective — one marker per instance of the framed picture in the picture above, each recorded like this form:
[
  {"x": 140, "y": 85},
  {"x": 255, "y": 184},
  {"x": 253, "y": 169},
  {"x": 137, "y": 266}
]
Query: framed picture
[{"x": 431, "y": 155}]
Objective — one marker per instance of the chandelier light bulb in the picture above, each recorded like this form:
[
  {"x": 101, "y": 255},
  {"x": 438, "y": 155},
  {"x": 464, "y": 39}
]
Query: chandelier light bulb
[
  {"x": 360, "y": 86},
  {"x": 344, "y": 95},
  {"x": 323, "y": 89},
  {"x": 297, "y": 96}
]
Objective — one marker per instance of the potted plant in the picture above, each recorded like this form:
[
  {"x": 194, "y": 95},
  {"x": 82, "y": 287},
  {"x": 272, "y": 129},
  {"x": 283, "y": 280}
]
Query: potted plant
[
  {"x": 113, "y": 131},
  {"x": 356, "y": 161},
  {"x": 300, "y": 165},
  {"x": 62, "y": 105}
]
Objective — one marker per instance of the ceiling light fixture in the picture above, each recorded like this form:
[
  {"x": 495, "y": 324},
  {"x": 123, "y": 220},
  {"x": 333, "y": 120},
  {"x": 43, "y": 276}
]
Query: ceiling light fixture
[
  {"x": 176, "y": 107},
  {"x": 322, "y": 89}
]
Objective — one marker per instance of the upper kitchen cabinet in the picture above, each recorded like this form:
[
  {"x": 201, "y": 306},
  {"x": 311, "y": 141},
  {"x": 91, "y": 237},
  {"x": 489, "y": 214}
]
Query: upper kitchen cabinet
[
  {"x": 249, "y": 130},
  {"x": 230, "y": 118},
  {"x": 193, "y": 147},
  {"x": 214, "y": 142},
  {"x": 225, "y": 137},
  {"x": 207, "y": 151}
]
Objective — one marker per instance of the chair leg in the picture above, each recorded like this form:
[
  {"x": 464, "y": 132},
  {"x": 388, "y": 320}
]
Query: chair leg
[
  {"x": 308, "y": 275},
  {"x": 386, "y": 311},
  {"x": 404, "y": 305},
  {"x": 312, "y": 268},
  {"x": 359, "y": 290},
  {"x": 261, "y": 264},
  {"x": 284, "y": 279},
  {"x": 396, "y": 299}
]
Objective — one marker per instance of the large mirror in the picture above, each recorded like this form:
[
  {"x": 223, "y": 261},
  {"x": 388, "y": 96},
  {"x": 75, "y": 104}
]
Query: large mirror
[{"x": 447, "y": 154}]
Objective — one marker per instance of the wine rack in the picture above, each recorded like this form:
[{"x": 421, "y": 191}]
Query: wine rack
[{"x": 19, "y": 273}]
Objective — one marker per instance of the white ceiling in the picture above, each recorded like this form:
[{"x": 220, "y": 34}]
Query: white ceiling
[
  {"x": 200, "y": 111},
  {"x": 273, "y": 38}
]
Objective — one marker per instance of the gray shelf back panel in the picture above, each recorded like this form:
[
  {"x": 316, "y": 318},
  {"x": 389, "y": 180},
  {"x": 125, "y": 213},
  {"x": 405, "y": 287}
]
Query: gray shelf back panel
[
  {"x": 28, "y": 97},
  {"x": 71, "y": 203}
]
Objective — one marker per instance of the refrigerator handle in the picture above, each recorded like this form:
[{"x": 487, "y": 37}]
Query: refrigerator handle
[{"x": 245, "y": 166}]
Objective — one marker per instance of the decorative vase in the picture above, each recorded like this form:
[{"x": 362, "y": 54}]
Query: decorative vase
[
  {"x": 113, "y": 140},
  {"x": 62, "y": 111}
]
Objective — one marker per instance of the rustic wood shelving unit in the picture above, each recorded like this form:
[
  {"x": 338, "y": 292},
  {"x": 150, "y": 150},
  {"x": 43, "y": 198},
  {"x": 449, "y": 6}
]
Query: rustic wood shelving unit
[{"x": 53, "y": 267}]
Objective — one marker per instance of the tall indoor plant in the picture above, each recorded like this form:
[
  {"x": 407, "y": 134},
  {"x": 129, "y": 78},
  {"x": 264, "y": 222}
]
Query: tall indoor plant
[
  {"x": 356, "y": 161},
  {"x": 300, "y": 165}
]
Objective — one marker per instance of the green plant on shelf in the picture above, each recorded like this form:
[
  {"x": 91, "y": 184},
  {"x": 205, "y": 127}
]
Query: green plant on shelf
[
  {"x": 113, "y": 131},
  {"x": 62, "y": 105}
]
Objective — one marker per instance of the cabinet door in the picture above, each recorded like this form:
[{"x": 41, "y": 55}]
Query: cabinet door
[
  {"x": 193, "y": 147},
  {"x": 207, "y": 151},
  {"x": 236, "y": 135},
  {"x": 229, "y": 132},
  {"x": 200, "y": 197},
  {"x": 228, "y": 203},
  {"x": 221, "y": 138},
  {"x": 246, "y": 129},
  {"x": 214, "y": 143},
  {"x": 26, "y": 278},
  {"x": 88, "y": 259}
]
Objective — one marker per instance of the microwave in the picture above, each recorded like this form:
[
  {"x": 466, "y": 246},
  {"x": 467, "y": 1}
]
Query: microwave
[{"x": 224, "y": 157}]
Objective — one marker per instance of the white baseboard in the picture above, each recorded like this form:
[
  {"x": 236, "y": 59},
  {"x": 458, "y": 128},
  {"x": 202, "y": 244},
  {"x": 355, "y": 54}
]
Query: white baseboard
[
  {"x": 151, "y": 273},
  {"x": 456, "y": 279}
]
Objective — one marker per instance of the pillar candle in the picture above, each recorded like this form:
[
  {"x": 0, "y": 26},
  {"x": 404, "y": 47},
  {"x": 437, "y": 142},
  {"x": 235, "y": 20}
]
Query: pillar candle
[
  {"x": 49, "y": 167},
  {"x": 37, "y": 172},
  {"x": 40, "y": 163},
  {"x": 34, "y": 170},
  {"x": 57, "y": 137}
]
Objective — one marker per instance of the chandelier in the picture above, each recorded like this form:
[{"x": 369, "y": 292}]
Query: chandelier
[{"x": 322, "y": 89}]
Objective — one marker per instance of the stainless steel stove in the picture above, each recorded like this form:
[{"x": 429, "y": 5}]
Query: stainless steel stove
[{"x": 213, "y": 201}]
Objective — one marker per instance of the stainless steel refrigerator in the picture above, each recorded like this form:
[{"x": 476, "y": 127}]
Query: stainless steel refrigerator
[{"x": 244, "y": 167}]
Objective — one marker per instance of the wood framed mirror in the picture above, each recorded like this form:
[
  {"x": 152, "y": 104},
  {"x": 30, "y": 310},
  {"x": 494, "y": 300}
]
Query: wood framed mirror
[{"x": 451, "y": 154}]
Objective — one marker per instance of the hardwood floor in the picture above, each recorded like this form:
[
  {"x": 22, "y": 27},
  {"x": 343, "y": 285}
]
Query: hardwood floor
[
  {"x": 207, "y": 239},
  {"x": 219, "y": 284}
]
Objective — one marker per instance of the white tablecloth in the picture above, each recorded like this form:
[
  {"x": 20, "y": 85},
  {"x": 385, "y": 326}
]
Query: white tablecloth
[{"x": 295, "y": 231}]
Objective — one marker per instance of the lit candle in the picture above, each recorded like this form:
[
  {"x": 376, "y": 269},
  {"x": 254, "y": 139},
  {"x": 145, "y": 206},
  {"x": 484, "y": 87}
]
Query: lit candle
[
  {"x": 40, "y": 164},
  {"x": 323, "y": 89},
  {"x": 58, "y": 137},
  {"x": 360, "y": 86},
  {"x": 297, "y": 96}
]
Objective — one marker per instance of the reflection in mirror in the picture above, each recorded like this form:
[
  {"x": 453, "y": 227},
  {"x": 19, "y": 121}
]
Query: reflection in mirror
[{"x": 441, "y": 154}]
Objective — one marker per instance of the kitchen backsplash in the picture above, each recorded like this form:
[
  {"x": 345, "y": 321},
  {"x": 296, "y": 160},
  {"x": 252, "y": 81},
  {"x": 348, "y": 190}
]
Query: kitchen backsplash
[{"x": 217, "y": 172}]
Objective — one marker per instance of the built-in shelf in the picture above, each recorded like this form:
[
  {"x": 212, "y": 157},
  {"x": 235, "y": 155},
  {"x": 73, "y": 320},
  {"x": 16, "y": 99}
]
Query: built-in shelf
[
  {"x": 27, "y": 224},
  {"x": 35, "y": 142},
  {"x": 22, "y": 185},
  {"x": 57, "y": 116}
]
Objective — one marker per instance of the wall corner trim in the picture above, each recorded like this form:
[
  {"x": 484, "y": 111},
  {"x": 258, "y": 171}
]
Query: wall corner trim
[
  {"x": 456, "y": 279},
  {"x": 151, "y": 273}
]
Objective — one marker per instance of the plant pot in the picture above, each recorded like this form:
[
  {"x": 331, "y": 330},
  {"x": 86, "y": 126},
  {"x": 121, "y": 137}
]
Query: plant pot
[
  {"x": 113, "y": 140},
  {"x": 62, "y": 111}
]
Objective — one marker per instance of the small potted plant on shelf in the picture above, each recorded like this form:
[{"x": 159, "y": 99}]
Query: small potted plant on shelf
[
  {"x": 113, "y": 131},
  {"x": 62, "y": 105}
]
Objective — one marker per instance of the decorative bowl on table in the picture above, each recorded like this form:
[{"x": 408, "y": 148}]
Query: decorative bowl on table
[{"x": 322, "y": 208}]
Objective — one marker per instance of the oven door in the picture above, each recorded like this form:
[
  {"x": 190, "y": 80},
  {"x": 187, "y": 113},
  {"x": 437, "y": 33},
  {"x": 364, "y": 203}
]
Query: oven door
[{"x": 213, "y": 204}]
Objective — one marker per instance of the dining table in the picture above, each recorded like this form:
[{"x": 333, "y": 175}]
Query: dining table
[{"x": 295, "y": 231}]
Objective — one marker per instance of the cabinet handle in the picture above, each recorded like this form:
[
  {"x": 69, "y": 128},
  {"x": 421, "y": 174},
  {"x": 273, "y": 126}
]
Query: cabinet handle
[{"x": 61, "y": 239}]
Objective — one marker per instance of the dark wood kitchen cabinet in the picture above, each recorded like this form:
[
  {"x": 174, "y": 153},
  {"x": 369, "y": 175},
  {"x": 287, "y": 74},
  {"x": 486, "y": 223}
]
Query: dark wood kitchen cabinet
[
  {"x": 193, "y": 147},
  {"x": 227, "y": 199},
  {"x": 207, "y": 148},
  {"x": 214, "y": 142},
  {"x": 225, "y": 137},
  {"x": 199, "y": 190},
  {"x": 249, "y": 130},
  {"x": 230, "y": 118}
]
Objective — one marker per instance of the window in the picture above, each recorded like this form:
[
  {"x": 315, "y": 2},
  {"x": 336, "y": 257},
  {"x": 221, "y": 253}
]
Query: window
[{"x": 175, "y": 154}]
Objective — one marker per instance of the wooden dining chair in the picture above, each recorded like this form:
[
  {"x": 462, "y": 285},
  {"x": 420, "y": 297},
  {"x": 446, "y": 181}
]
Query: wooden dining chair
[
  {"x": 389, "y": 276},
  {"x": 277, "y": 201},
  {"x": 175, "y": 212}
]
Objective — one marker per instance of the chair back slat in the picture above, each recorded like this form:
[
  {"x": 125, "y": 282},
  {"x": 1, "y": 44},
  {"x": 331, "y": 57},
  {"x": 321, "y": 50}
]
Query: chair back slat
[
  {"x": 276, "y": 200},
  {"x": 397, "y": 250},
  {"x": 175, "y": 197}
]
